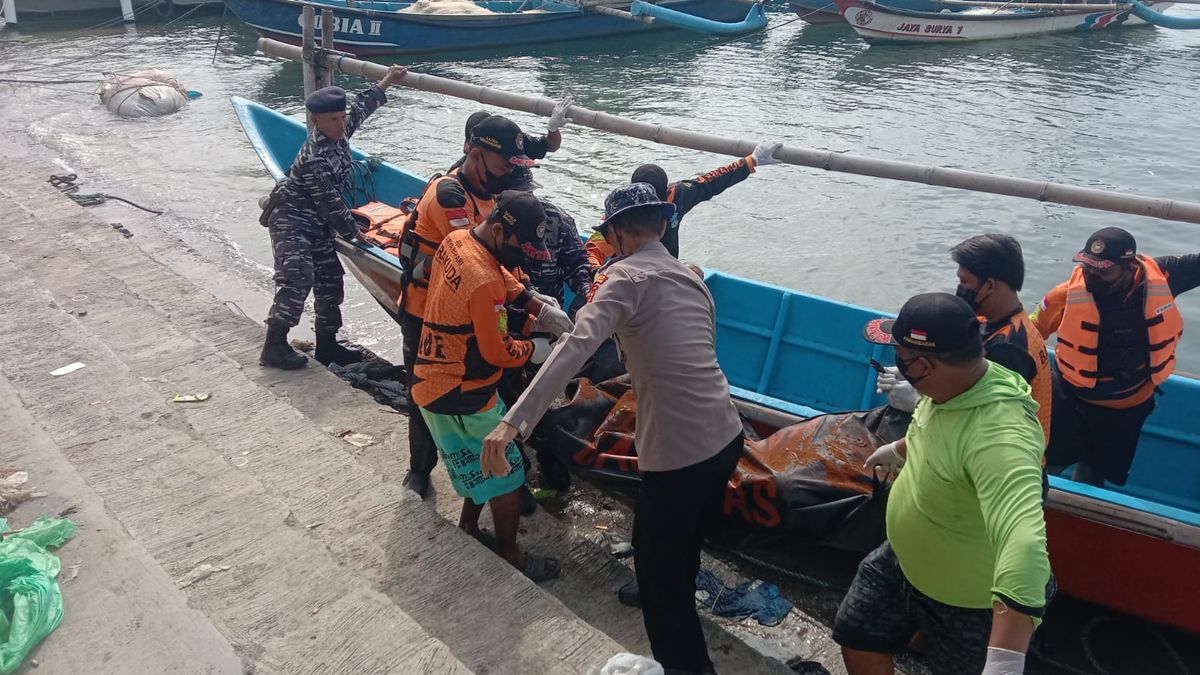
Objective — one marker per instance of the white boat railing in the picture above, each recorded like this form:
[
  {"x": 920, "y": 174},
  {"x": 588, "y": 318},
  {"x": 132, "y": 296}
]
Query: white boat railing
[{"x": 1039, "y": 190}]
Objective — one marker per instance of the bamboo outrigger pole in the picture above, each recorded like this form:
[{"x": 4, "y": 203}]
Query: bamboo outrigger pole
[{"x": 1045, "y": 191}]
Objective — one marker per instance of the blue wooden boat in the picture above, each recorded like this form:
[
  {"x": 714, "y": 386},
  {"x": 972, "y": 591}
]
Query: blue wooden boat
[
  {"x": 374, "y": 28},
  {"x": 790, "y": 355}
]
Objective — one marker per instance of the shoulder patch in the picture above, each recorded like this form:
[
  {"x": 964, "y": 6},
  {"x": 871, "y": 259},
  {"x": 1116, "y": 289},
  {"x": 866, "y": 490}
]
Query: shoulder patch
[
  {"x": 600, "y": 279},
  {"x": 450, "y": 193}
]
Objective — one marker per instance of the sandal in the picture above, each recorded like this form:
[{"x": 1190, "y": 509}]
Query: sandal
[{"x": 541, "y": 568}]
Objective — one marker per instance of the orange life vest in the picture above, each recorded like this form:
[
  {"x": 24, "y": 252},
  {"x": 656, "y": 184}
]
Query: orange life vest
[{"x": 1079, "y": 333}]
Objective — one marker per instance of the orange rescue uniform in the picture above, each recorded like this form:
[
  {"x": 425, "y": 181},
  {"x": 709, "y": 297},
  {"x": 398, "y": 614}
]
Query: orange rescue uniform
[
  {"x": 448, "y": 204},
  {"x": 465, "y": 345}
]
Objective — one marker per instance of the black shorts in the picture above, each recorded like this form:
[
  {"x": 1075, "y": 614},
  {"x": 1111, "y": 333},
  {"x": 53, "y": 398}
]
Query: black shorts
[
  {"x": 882, "y": 611},
  {"x": 1105, "y": 438}
]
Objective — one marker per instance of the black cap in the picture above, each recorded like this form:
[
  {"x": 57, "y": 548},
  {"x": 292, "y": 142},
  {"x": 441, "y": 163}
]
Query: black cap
[
  {"x": 522, "y": 215},
  {"x": 521, "y": 179},
  {"x": 501, "y": 135},
  {"x": 937, "y": 323},
  {"x": 1107, "y": 247},
  {"x": 326, "y": 100}
]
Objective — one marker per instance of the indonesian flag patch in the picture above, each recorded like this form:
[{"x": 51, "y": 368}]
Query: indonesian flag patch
[{"x": 458, "y": 217}]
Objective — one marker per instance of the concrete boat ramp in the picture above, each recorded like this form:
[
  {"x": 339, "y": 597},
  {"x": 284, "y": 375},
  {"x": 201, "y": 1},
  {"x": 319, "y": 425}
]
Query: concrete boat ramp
[{"x": 242, "y": 534}]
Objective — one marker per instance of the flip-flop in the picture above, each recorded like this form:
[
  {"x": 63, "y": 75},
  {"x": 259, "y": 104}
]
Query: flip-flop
[{"x": 541, "y": 568}]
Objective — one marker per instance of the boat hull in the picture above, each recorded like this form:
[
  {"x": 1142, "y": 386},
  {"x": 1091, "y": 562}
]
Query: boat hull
[
  {"x": 884, "y": 24},
  {"x": 367, "y": 32},
  {"x": 790, "y": 355},
  {"x": 816, "y": 11}
]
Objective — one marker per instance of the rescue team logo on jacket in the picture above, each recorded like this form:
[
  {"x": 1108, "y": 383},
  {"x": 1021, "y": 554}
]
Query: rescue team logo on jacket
[{"x": 600, "y": 279}]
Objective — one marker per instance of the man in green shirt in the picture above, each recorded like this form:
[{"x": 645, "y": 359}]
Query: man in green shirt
[{"x": 965, "y": 561}]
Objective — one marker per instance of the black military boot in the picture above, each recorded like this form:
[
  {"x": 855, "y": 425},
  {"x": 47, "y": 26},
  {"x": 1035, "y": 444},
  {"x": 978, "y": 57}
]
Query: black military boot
[
  {"x": 277, "y": 353},
  {"x": 329, "y": 351}
]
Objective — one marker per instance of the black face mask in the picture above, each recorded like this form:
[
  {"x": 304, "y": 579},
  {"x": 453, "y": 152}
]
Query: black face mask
[
  {"x": 510, "y": 256},
  {"x": 970, "y": 295},
  {"x": 903, "y": 367},
  {"x": 1097, "y": 286},
  {"x": 495, "y": 183}
]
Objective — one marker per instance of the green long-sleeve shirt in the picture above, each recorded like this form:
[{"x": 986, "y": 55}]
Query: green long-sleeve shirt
[{"x": 965, "y": 514}]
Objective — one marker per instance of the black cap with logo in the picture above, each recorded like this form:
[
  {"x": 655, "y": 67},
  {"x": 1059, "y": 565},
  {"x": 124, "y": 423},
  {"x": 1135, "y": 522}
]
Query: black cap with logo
[
  {"x": 522, "y": 215},
  {"x": 937, "y": 323},
  {"x": 1107, "y": 247},
  {"x": 501, "y": 135}
]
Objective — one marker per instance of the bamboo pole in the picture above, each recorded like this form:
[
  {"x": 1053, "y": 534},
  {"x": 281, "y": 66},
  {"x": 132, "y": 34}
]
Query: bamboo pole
[
  {"x": 325, "y": 75},
  {"x": 1065, "y": 6},
  {"x": 1045, "y": 191},
  {"x": 308, "y": 18},
  {"x": 127, "y": 11}
]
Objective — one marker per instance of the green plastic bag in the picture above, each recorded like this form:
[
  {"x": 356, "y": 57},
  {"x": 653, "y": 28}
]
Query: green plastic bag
[{"x": 31, "y": 605}]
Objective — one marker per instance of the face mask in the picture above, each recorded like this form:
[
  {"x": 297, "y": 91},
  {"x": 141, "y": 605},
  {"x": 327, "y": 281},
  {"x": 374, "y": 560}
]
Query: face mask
[
  {"x": 510, "y": 256},
  {"x": 903, "y": 367},
  {"x": 970, "y": 295},
  {"x": 495, "y": 183}
]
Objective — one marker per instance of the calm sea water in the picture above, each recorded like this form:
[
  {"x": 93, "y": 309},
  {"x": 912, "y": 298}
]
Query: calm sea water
[{"x": 1111, "y": 109}]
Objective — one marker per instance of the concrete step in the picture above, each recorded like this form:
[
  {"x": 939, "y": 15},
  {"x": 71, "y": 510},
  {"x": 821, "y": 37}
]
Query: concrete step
[
  {"x": 284, "y": 603},
  {"x": 437, "y": 575}
]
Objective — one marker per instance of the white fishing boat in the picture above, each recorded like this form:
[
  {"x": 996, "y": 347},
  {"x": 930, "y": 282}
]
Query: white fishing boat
[{"x": 875, "y": 22}]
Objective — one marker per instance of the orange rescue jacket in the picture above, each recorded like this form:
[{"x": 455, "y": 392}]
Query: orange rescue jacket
[{"x": 1070, "y": 310}]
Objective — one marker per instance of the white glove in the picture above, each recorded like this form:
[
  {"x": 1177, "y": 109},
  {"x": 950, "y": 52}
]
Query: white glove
[
  {"x": 546, "y": 300},
  {"x": 541, "y": 350},
  {"x": 900, "y": 394},
  {"x": 1003, "y": 662},
  {"x": 764, "y": 153},
  {"x": 886, "y": 457},
  {"x": 558, "y": 116},
  {"x": 552, "y": 320}
]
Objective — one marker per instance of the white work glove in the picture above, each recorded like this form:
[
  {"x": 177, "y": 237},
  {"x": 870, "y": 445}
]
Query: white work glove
[
  {"x": 764, "y": 153},
  {"x": 541, "y": 350},
  {"x": 558, "y": 116},
  {"x": 1003, "y": 662},
  {"x": 546, "y": 300},
  {"x": 885, "y": 456},
  {"x": 552, "y": 320},
  {"x": 900, "y": 394}
]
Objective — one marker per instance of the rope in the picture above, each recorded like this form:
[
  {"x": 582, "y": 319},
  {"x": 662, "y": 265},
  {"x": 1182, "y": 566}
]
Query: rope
[{"x": 65, "y": 183}]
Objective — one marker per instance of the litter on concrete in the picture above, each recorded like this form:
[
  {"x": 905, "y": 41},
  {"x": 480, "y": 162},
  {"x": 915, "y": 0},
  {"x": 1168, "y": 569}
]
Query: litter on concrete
[
  {"x": 200, "y": 573},
  {"x": 631, "y": 664},
  {"x": 759, "y": 599},
  {"x": 69, "y": 368}
]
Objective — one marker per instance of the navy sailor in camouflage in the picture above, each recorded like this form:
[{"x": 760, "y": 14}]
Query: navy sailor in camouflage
[{"x": 307, "y": 211}]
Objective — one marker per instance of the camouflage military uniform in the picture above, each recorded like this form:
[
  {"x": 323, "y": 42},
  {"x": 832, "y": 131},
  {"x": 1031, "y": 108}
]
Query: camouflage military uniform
[
  {"x": 309, "y": 213},
  {"x": 567, "y": 263}
]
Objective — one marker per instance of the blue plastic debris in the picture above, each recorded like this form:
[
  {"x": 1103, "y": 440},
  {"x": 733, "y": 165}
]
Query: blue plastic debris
[{"x": 759, "y": 599}]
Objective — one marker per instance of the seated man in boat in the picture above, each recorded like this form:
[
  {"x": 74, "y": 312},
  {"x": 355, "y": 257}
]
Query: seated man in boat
[
  {"x": 991, "y": 270},
  {"x": 965, "y": 560},
  {"x": 689, "y": 436},
  {"x": 457, "y": 201},
  {"x": 686, "y": 194},
  {"x": 303, "y": 213},
  {"x": 1118, "y": 327},
  {"x": 465, "y": 347}
]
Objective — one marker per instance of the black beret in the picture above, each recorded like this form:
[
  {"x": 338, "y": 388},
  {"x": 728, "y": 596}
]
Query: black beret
[{"x": 326, "y": 100}]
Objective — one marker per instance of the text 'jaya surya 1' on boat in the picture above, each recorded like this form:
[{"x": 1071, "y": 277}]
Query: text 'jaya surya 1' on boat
[
  {"x": 791, "y": 356},
  {"x": 426, "y": 26},
  {"x": 925, "y": 21}
]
